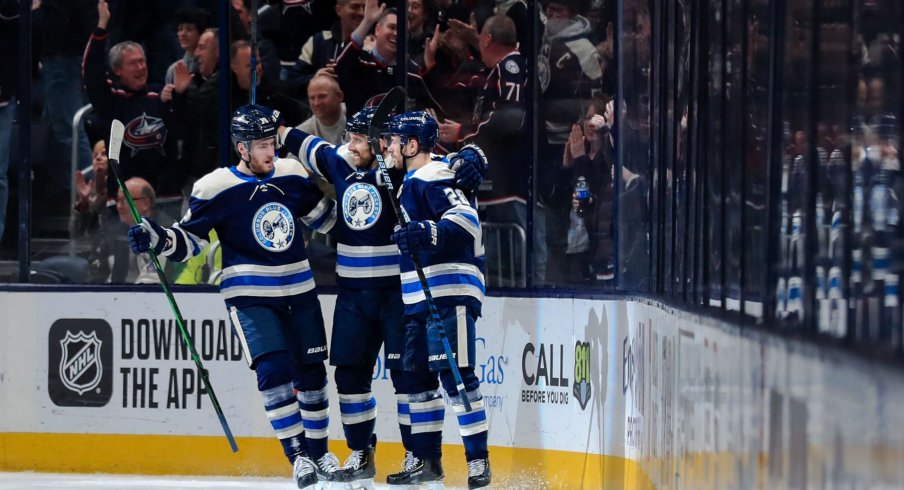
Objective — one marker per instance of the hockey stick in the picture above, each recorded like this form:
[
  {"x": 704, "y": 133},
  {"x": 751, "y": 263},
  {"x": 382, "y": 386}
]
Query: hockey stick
[
  {"x": 116, "y": 133},
  {"x": 253, "y": 51},
  {"x": 392, "y": 99}
]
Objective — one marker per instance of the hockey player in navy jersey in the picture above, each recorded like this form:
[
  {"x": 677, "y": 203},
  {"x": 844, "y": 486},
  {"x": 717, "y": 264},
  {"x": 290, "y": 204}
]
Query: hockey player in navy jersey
[
  {"x": 267, "y": 281},
  {"x": 444, "y": 232},
  {"x": 369, "y": 304}
]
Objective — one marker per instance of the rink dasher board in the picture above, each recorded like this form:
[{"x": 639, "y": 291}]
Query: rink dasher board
[{"x": 579, "y": 394}]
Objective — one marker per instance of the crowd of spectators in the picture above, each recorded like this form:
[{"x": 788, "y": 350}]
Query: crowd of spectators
[{"x": 155, "y": 67}]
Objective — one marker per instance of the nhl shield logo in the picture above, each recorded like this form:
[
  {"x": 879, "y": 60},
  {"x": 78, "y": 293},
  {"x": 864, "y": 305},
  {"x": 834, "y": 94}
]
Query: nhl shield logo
[
  {"x": 582, "y": 387},
  {"x": 81, "y": 368}
]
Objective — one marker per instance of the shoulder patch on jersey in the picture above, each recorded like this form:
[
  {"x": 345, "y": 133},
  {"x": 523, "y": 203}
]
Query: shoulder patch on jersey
[
  {"x": 434, "y": 171},
  {"x": 273, "y": 227},
  {"x": 286, "y": 167},
  {"x": 361, "y": 206},
  {"x": 512, "y": 67},
  {"x": 214, "y": 183}
]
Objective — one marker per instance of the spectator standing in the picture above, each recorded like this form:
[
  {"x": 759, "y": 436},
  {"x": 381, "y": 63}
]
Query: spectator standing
[
  {"x": 8, "y": 31},
  {"x": 64, "y": 25}
]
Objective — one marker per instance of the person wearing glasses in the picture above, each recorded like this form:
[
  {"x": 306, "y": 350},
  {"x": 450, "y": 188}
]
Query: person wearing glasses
[{"x": 137, "y": 268}]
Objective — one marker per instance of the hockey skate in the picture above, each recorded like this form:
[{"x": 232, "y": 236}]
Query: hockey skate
[
  {"x": 479, "y": 473},
  {"x": 305, "y": 472},
  {"x": 420, "y": 473},
  {"x": 328, "y": 472},
  {"x": 359, "y": 470}
]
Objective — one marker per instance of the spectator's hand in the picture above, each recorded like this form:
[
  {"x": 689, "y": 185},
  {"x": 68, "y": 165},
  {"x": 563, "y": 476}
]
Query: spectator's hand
[
  {"x": 181, "y": 77},
  {"x": 372, "y": 11},
  {"x": 597, "y": 123},
  {"x": 103, "y": 14},
  {"x": 449, "y": 131},
  {"x": 83, "y": 189},
  {"x": 418, "y": 236},
  {"x": 369, "y": 42},
  {"x": 609, "y": 114},
  {"x": 470, "y": 166},
  {"x": 146, "y": 236},
  {"x": 576, "y": 143},
  {"x": 166, "y": 94},
  {"x": 430, "y": 49},
  {"x": 466, "y": 32}
]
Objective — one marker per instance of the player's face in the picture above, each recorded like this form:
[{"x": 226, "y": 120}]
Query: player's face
[
  {"x": 134, "y": 69},
  {"x": 396, "y": 149},
  {"x": 261, "y": 156},
  {"x": 360, "y": 150}
]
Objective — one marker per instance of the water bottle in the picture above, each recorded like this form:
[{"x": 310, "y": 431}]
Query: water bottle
[{"x": 582, "y": 194}]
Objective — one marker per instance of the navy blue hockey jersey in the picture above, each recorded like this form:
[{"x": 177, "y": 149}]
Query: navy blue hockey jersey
[
  {"x": 366, "y": 257},
  {"x": 264, "y": 257},
  {"x": 455, "y": 273}
]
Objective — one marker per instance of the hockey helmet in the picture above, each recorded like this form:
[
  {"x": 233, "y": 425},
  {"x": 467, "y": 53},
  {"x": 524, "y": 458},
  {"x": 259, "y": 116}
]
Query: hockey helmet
[
  {"x": 253, "y": 122},
  {"x": 417, "y": 124}
]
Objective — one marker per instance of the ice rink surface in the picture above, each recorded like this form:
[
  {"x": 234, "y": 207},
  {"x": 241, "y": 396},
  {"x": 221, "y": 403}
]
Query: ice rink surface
[{"x": 16, "y": 481}]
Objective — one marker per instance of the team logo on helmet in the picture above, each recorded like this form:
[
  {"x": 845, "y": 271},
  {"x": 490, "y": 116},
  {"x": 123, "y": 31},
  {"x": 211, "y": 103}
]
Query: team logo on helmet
[
  {"x": 145, "y": 132},
  {"x": 274, "y": 227},
  {"x": 361, "y": 206},
  {"x": 80, "y": 367}
]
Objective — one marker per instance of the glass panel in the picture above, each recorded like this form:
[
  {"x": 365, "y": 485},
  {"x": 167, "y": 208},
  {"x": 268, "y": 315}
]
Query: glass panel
[
  {"x": 574, "y": 160},
  {"x": 756, "y": 175},
  {"x": 714, "y": 158},
  {"x": 876, "y": 257},
  {"x": 634, "y": 220}
]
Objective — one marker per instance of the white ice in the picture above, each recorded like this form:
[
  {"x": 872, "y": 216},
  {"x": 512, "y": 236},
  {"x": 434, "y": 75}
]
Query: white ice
[{"x": 18, "y": 481}]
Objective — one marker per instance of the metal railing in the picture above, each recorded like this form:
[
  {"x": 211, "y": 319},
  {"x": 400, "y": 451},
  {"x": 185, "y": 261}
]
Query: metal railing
[
  {"x": 509, "y": 269},
  {"x": 73, "y": 165}
]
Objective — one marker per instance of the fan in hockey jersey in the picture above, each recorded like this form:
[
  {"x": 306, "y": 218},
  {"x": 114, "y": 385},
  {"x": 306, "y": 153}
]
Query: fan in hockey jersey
[
  {"x": 369, "y": 304},
  {"x": 256, "y": 208},
  {"x": 444, "y": 233}
]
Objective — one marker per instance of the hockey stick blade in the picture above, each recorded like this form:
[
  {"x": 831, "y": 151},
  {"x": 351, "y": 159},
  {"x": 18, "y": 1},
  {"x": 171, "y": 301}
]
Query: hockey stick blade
[
  {"x": 392, "y": 99},
  {"x": 117, "y": 131}
]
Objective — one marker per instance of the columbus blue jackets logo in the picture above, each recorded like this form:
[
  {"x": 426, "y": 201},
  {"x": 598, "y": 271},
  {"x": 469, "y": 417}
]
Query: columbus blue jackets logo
[
  {"x": 274, "y": 227},
  {"x": 582, "y": 388},
  {"x": 361, "y": 206},
  {"x": 145, "y": 132}
]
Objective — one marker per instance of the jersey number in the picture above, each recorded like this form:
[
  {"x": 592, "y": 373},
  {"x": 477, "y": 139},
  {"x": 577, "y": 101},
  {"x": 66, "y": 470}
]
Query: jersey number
[
  {"x": 456, "y": 197},
  {"x": 513, "y": 89}
]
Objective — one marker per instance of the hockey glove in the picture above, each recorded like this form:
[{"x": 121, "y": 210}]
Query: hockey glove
[
  {"x": 418, "y": 236},
  {"x": 470, "y": 166},
  {"x": 147, "y": 235}
]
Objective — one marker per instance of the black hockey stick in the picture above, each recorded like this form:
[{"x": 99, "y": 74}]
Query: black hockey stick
[
  {"x": 253, "y": 51},
  {"x": 393, "y": 98},
  {"x": 116, "y": 133}
]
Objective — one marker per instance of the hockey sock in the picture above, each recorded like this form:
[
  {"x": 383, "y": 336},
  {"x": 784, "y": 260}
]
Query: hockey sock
[
  {"x": 427, "y": 411},
  {"x": 472, "y": 425},
  {"x": 359, "y": 417},
  {"x": 282, "y": 410},
  {"x": 315, "y": 411},
  {"x": 404, "y": 415}
]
